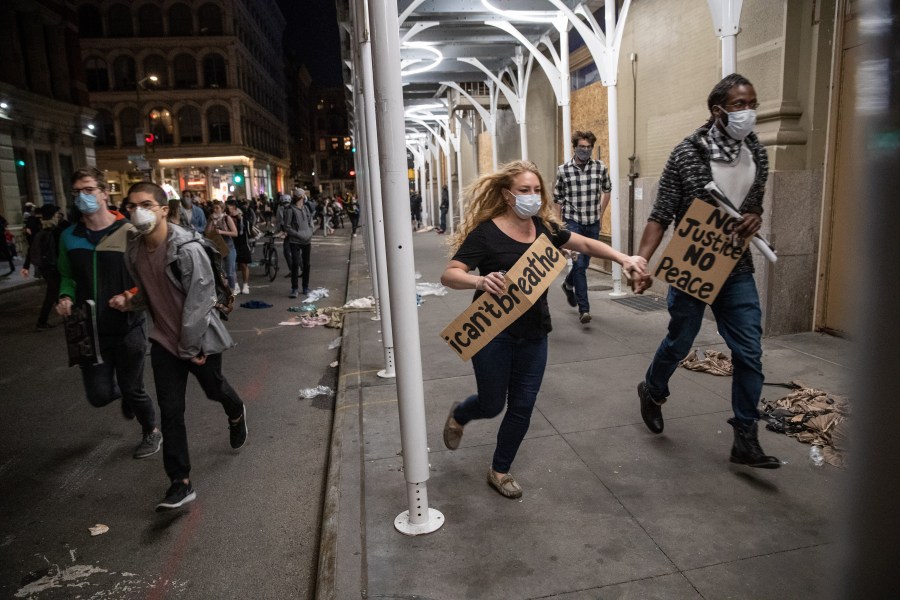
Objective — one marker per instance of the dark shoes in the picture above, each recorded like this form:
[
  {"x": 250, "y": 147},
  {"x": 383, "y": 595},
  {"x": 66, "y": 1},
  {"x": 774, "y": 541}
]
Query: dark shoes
[
  {"x": 453, "y": 431},
  {"x": 238, "y": 430},
  {"x": 650, "y": 409},
  {"x": 504, "y": 484},
  {"x": 179, "y": 494},
  {"x": 149, "y": 445},
  {"x": 294, "y": 293},
  {"x": 746, "y": 449},
  {"x": 569, "y": 291},
  {"x": 585, "y": 318}
]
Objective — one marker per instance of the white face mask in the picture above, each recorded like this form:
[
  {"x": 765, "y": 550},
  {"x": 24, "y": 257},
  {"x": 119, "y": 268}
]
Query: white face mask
[
  {"x": 740, "y": 123},
  {"x": 527, "y": 205},
  {"x": 144, "y": 220}
]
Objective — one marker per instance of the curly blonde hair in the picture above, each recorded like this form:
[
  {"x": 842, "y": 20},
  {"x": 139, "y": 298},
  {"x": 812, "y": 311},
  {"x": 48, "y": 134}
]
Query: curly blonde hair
[{"x": 484, "y": 200}]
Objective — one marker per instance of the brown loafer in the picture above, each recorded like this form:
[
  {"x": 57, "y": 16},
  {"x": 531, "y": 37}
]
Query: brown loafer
[
  {"x": 505, "y": 484},
  {"x": 453, "y": 431}
]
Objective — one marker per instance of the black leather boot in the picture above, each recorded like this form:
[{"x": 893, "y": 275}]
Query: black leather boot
[
  {"x": 746, "y": 449},
  {"x": 650, "y": 409}
]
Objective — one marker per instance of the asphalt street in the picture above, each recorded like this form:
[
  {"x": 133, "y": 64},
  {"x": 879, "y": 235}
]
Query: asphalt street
[{"x": 253, "y": 531}]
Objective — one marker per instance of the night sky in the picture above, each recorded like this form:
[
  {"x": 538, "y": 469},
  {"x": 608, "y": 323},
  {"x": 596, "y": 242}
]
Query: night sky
[{"x": 312, "y": 30}]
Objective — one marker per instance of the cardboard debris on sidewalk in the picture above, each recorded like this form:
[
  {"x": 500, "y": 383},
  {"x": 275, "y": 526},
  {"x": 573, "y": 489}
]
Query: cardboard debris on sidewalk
[
  {"x": 813, "y": 417},
  {"x": 713, "y": 362}
]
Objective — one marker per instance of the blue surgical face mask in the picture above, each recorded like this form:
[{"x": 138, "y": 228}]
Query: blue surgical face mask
[
  {"x": 87, "y": 203},
  {"x": 527, "y": 205}
]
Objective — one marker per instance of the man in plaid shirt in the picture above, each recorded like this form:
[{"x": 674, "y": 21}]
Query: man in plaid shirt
[{"x": 582, "y": 194}]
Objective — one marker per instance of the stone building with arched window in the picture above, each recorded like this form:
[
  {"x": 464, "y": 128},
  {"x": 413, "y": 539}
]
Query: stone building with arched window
[{"x": 202, "y": 79}]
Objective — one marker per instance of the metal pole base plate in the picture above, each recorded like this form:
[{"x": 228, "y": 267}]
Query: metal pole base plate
[
  {"x": 385, "y": 375},
  {"x": 404, "y": 526}
]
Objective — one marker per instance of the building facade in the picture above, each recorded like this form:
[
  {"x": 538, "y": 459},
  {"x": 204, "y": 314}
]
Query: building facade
[
  {"x": 45, "y": 120},
  {"x": 188, "y": 93},
  {"x": 334, "y": 150}
]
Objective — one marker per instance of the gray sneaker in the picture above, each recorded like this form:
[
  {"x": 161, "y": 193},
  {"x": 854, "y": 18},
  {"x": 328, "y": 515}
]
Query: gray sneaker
[{"x": 149, "y": 445}]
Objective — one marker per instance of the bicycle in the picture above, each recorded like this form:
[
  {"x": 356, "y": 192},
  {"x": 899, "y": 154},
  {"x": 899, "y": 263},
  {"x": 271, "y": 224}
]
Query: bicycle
[{"x": 270, "y": 256}]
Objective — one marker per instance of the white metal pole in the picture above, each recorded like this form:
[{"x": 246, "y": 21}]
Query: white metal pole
[
  {"x": 419, "y": 518},
  {"x": 369, "y": 222},
  {"x": 440, "y": 182},
  {"x": 612, "y": 93},
  {"x": 449, "y": 188},
  {"x": 566, "y": 88},
  {"x": 729, "y": 54},
  {"x": 376, "y": 219}
]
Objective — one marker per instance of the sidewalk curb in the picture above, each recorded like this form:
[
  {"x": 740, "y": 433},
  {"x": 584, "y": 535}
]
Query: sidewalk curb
[
  {"x": 25, "y": 284},
  {"x": 325, "y": 576}
]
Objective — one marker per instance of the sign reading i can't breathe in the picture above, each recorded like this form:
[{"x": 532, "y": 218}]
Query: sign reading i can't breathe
[
  {"x": 490, "y": 314},
  {"x": 701, "y": 254}
]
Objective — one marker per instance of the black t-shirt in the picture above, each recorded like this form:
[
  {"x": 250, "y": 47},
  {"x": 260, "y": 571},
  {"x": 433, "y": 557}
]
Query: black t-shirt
[{"x": 488, "y": 249}]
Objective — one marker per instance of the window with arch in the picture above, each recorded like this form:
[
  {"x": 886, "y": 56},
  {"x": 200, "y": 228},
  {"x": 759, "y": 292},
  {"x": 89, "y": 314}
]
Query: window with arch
[
  {"x": 124, "y": 73},
  {"x": 150, "y": 21},
  {"x": 161, "y": 125},
  {"x": 119, "y": 19},
  {"x": 128, "y": 125},
  {"x": 185, "y": 68},
  {"x": 156, "y": 65},
  {"x": 190, "y": 129},
  {"x": 214, "y": 75},
  {"x": 218, "y": 121},
  {"x": 181, "y": 21},
  {"x": 89, "y": 23},
  {"x": 97, "y": 75},
  {"x": 104, "y": 129},
  {"x": 210, "y": 17}
]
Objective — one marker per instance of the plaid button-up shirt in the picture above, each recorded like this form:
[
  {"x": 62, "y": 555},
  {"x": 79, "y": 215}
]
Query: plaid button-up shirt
[{"x": 578, "y": 190}]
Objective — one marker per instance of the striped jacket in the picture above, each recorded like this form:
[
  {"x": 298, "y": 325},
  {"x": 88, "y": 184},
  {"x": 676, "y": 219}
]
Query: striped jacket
[{"x": 687, "y": 172}]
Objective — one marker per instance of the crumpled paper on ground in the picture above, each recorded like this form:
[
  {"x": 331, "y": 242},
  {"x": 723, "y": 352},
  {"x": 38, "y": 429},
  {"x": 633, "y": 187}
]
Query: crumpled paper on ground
[
  {"x": 319, "y": 390},
  {"x": 98, "y": 529},
  {"x": 316, "y": 295},
  {"x": 430, "y": 289},
  {"x": 714, "y": 363},
  {"x": 813, "y": 417},
  {"x": 365, "y": 303}
]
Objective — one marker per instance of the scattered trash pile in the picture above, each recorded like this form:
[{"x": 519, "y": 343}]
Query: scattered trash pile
[
  {"x": 713, "y": 362},
  {"x": 813, "y": 417},
  {"x": 310, "y": 315}
]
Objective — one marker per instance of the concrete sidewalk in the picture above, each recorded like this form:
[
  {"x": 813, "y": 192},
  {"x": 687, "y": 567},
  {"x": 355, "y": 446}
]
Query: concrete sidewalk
[{"x": 609, "y": 509}]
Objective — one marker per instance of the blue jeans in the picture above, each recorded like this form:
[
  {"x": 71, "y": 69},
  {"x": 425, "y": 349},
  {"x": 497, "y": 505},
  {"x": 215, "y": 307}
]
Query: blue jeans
[
  {"x": 738, "y": 317},
  {"x": 577, "y": 277},
  {"x": 508, "y": 372}
]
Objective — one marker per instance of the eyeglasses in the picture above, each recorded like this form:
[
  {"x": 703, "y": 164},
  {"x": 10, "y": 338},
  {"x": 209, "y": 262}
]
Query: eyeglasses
[
  {"x": 743, "y": 105},
  {"x": 582, "y": 147},
  {"x": 146, "y": 205},
  {"x": 89, "y": 190}
]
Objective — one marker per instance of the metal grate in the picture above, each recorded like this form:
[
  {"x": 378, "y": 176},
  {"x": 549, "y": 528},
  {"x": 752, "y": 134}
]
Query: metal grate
[{"x": 642, "y": 303}]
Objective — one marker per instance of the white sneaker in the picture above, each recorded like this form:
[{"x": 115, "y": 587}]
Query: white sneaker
[
  {"x": 246, "y": 289},
  {"x": 237, "y": 291}
]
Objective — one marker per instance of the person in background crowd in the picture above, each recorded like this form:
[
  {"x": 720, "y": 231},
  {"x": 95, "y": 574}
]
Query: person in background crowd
[
  {"x": 415, "y": 209},
  {"x": 43, "y": 253},
  {"x": 724, "y": 150},
  {"x": 91, "y": 265},
  {"x": 31, "y": 223},
  {"x": 506, "y": 212},
  {"x": 241, "y": 244},
  {"x": 582, "y": 194},
  {"x": 175, "y": 282},
  {"x": 284, "y": 207},
  {"x": 197, "y": 216},
  {"x": 353, "y": 213},
  {"x": 5, "y": 253},
  {"x": 178, "y": 215},
  {"x": 224, "y": 224},
  {"x": 445, "y": 206},
  {"x": 298, "y": 225}
]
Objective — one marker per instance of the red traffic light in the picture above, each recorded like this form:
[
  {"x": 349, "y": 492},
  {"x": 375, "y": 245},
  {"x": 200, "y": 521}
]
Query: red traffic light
[
  {"x": 352, "y": 173},
  {"x": 149, "y": 138}
]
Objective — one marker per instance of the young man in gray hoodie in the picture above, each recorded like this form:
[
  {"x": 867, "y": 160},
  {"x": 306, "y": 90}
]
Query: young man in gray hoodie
[
  {"x": 175, "y": 281},
  {"x": 297, "y": 223}
]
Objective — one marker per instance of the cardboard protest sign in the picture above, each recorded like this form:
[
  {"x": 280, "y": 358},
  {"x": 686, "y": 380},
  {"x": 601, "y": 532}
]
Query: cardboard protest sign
[
  {"x": 490, "y": 314},
  {"x": 701, "y": 254}
]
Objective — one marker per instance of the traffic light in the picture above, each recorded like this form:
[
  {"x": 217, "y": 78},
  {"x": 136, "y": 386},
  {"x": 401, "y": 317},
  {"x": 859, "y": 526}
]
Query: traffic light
[
  {"x": 149, "y": 138},
  {"x": 352, "y": 173},
  {"x": 238, "y": 177}
]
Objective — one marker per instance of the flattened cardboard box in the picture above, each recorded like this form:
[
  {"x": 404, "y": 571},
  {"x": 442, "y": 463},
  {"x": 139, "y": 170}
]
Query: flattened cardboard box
[{"x": 490, "y": 314}]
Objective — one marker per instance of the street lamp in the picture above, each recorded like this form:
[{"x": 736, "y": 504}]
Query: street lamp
[{"x": 137, "y": 95}]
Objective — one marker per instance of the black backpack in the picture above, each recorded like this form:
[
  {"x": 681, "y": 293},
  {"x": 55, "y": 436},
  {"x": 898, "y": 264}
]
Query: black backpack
[
  {"x": 224, "y": 293},
  {"x": 43, "y": 252}
]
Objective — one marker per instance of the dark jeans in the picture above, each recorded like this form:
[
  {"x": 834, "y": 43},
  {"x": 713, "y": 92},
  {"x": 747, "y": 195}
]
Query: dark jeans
[
  {"x": 286, "y": 250},
  {"x": 577, "y": 277},
  {"x": 508, "y": 372},
  {"x": 300, "y": 261},
  {"x": 444, "y": 219},
  {"x": 121, "y": 376},
  {"x": 738, "y": 317},
  {"x": 51, "y": 293},
  {"x": 170, "y": 375},
  {"x": 354, "y": 222}
]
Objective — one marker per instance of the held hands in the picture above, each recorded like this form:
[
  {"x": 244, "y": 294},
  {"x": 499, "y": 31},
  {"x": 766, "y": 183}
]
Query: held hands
[
  {"x": 635, "y": 269},
  {"x": 121, "y": 301},
  {"x": 492, "y": 283},
  {"x": 64, "y": 307}
]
